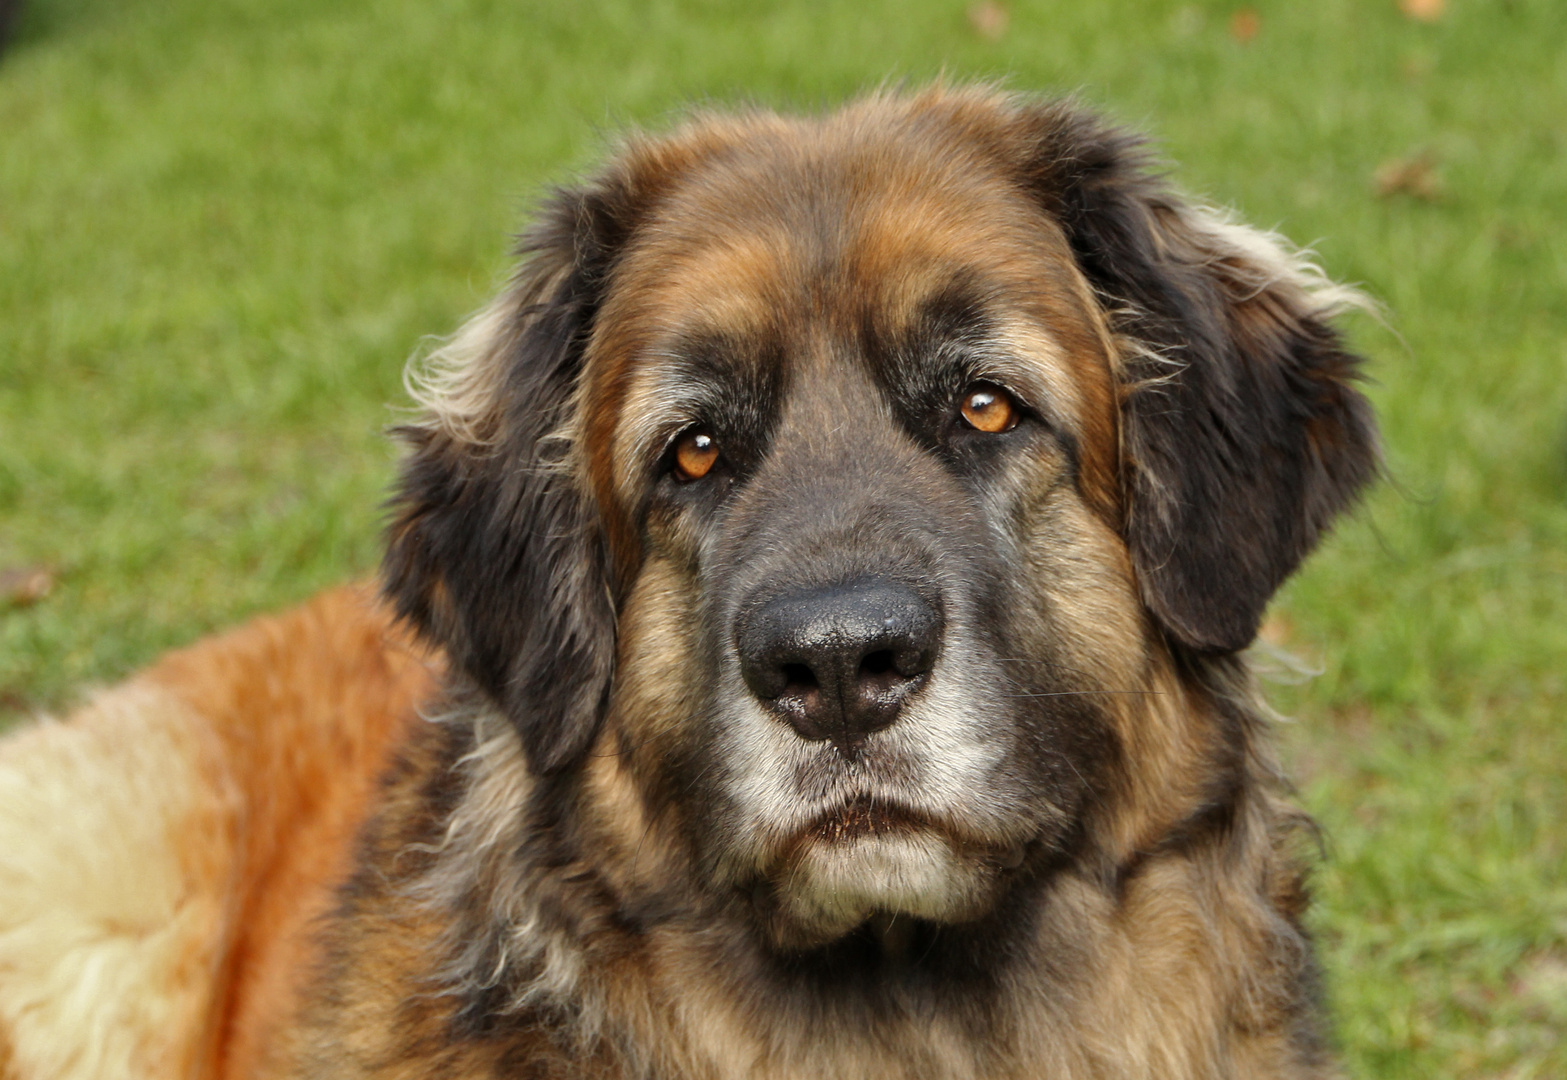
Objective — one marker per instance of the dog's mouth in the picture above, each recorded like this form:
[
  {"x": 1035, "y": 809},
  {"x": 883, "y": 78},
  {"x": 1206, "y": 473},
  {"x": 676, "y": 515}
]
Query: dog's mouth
[
  {"x": 868, "y": 859},
  {"x": 865, "y": 818}
]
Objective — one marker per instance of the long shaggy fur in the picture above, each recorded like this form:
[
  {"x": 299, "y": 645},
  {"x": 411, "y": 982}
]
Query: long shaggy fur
[
  {"x": 107, "y": 959},
  {"x": 628, "y": 837},
  {"x": 167, "y": 847}
]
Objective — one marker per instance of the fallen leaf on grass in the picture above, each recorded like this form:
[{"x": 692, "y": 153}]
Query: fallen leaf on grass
[
  {"x": 989, "y": 20},
  {"x": 1245, "y": 24},
  {"x": 1424, "y": 10},
  {"x": 1413, "y": 175},
  {"x": 24, "y": 586}
]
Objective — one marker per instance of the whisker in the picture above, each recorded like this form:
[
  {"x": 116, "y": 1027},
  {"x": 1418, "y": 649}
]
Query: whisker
[{"x": 1085, "y": 693}]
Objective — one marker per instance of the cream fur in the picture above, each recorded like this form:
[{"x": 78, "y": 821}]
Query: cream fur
[{"x": 118, "y": 830}]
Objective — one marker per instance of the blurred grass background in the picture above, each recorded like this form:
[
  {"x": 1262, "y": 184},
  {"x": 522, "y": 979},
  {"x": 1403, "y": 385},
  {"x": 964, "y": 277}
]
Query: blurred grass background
[{"x": 225, "y": 223}]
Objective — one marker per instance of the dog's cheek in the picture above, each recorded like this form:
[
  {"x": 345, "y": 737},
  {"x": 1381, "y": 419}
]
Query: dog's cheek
[
  {"x": 667, "y": 697},
  {"x": 1088, "y": 614},
  {"x": 661, "y": 685},
  {"x": 1075, "y": 651},
  {"x": 1066, "y": 600}
]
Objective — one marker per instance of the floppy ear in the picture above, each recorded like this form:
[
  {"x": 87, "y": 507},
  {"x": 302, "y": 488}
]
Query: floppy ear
[
  {"x": 495, "y": 550},
  {"x": 1243, "y": 434}
]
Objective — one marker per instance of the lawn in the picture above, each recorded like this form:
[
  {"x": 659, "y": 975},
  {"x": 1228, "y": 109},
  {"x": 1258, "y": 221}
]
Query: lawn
[{"x": 225, "y": 223}]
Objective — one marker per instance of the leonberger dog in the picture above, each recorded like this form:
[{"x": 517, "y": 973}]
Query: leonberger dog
[{"x": 812, "y": 644}]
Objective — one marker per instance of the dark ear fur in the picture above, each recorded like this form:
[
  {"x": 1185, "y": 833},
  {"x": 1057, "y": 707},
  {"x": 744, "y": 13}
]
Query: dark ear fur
[
  {"x": 1243, "y": 432},
  {"x": 495, "y": 551}
]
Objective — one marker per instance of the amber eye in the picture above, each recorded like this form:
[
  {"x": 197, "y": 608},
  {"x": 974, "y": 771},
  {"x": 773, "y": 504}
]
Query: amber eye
[
  {"x": 989, "y": 408},
  {"x": 696, "y": 452}
]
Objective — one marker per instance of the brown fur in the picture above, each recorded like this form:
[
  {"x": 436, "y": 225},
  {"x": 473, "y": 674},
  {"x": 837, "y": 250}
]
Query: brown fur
[
  {"x": 308, "y": 707},
  {"x": 265, "y": 744},
  {"x": 546, "y": 893},
  {"x": 612, "y": 853}
]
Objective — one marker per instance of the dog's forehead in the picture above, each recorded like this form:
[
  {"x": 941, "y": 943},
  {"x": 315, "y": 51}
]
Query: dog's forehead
[
  {"x": 828, "y": 223},
  {"x": 795, "y": 237}
]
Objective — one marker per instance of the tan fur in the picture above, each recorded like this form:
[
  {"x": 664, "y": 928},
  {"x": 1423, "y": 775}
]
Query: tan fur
[
  {"x": 1170, "y": 974},
  {"x": 1174, "y": 981},
  {"x": 119, "y": 830},
  {"x": 183, "y": 893},
  {"x": 168, "y": 846}
]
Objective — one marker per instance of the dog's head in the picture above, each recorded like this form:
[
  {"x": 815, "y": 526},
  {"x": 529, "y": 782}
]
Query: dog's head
[{"x": 855, "y": 483}]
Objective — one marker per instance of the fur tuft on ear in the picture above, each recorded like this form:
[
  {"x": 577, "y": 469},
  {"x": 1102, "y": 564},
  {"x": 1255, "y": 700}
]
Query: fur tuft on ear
[
  {"x": 1243, "y": 434},
  {"x": 495, "y": 550}
]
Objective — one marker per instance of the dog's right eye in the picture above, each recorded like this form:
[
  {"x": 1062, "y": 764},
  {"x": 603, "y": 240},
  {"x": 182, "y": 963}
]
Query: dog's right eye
[
  {"x": 987, "y": 407},
  {"x": 696, "y": 452}
]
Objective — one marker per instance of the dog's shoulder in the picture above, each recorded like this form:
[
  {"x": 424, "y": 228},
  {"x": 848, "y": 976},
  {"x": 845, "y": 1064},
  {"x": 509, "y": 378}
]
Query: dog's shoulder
[
  {"x": 378, "y": 1005},
  {"x": 377, "y": 945},
  {"x": 173, "y": 841}
]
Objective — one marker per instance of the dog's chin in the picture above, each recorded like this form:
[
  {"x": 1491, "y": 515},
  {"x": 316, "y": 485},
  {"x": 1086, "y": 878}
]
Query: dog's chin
[{"x": 836, "y": 880}]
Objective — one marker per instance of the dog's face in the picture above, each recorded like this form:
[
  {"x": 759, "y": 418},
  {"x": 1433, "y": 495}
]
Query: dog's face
[
  {"x": 865, "y": 434},
  {"x": 851, "y": 482}
]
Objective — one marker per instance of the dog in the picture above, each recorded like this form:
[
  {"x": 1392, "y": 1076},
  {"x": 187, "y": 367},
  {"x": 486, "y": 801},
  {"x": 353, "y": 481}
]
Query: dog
[{"x": 812, "y": 643}]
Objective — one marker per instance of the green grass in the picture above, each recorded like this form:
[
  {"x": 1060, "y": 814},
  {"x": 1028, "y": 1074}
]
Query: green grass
[{"x": 224, "y": 223}]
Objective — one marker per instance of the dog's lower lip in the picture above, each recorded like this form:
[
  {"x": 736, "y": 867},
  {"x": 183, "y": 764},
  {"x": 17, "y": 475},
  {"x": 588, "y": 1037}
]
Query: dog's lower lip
[{"x": 864, "y": 818}]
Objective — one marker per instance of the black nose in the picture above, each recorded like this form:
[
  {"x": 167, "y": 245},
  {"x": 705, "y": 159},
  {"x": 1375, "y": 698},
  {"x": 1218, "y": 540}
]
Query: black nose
[{"x": 837, "y": 663}]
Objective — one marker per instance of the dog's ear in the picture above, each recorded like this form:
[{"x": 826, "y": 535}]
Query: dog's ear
[
  {"x": 495, "y": 549},
  {"x": 1243, "y": 434}
]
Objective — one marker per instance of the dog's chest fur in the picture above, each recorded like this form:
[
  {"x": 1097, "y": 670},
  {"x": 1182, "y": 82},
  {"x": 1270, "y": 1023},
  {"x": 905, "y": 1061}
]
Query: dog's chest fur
[
  {"x": 845, "y": 534},
  {"x": 1186, "y": 969}
]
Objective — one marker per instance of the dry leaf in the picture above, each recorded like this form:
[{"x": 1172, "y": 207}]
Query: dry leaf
[
  {"x": 1245, "y": 24},
  {"x": 24, "y": 586},
  {"x": 989, "y": 20},
  {"x": 1424, "y": 10},
  {"x": 1413, "y": 175}
]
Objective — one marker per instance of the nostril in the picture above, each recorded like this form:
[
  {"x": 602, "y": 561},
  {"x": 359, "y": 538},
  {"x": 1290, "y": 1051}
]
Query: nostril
[
  {"x": 876, "y": 663},
  {"x": 885, "y": 677},
  {"x": 799, "y": 680},
  {"x": 800, "y": 698}
]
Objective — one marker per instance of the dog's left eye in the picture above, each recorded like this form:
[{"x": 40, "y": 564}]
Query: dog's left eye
[
  {"x": 987, "y": 407},
  {"x": 696, "y": 452}
]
